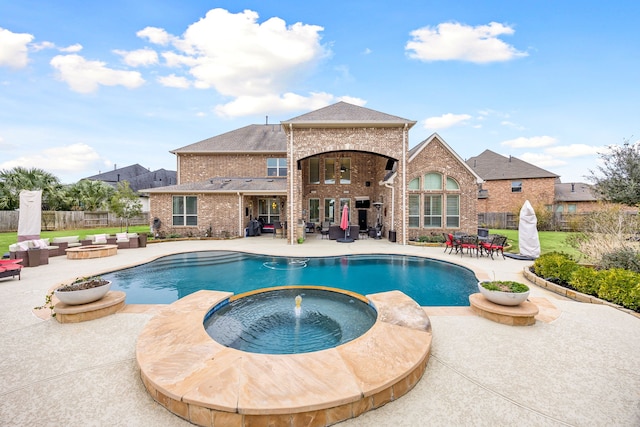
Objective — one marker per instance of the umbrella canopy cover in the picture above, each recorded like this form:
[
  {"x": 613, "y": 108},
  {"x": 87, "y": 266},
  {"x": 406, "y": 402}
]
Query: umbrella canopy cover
[
  {"x": 528, "y": 239},
  {"x": 344, "y": 220},
  {"x": 30, "y": 215}
]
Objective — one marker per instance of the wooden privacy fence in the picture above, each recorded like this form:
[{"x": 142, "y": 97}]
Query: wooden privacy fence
[
  {"x": 553, "y": 222},
  {"x": 67, "y": 220}
]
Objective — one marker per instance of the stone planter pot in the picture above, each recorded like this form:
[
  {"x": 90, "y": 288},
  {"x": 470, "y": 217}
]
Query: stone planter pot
[
  {"x": 83, "y": 296},
  {"x": 503, "y": 298}
]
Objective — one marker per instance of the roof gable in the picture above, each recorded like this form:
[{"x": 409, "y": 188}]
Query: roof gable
[
  {"x": 492, "y": 166},
  {"x": 415, "y": 151},
  {"x": 121, "y": 174},
  {"x": 253, "y": 138},
  {"x": 343, "y": 114}
]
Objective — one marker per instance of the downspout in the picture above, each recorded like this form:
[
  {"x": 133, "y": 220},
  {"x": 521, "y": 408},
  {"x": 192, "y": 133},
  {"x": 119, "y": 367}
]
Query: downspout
[
  {"x": 291, "y": 172},
  {"x": 241, "y": 229},
  {"x": 389, "y": 184},
  {"x": 404, "y": 184}
]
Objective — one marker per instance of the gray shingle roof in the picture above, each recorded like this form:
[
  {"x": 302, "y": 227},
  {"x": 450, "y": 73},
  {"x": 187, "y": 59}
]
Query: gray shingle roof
[
  {"x": 120, "y": 174},
  {"x": 249, "y": 139},
  {"x": 343, "y": 113},
  {"x": 574, "y": 192},
  {"x": 137, "y": 176},
  {"x": 275, "y": 185},
  {"x": 492, "y": 166}
]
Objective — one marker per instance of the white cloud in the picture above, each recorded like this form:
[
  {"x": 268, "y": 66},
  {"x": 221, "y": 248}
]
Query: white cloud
[
  {"x": 445, "y": 121},
  {"x": 238, "y": 56},
  {"x": 13, "y": 48},
  {"x": 455, "y": 41},
  {"x": 85, "y": 76},
  {"x": 174, "y": 81},
  {"x": 37, "y": 47},
  {"x": 573, "y": 150},
  {"x": 172, "y": 59},
  {"x": 155, "y": 35},
  {"x": 71, "y": 158},
  {"x": 274, "y": 104},
  {"x": 533, "y": 142},
  {"x": 137, "y": 58},
  {"x": 367, "y": 51},
  {"x": 542, "y": 160},
  {"x": 74, "y": 48}
]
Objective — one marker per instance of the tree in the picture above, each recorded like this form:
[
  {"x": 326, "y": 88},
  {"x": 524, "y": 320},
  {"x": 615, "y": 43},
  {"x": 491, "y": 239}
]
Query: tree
[
  {"x": 17, "y": 179},
  {"x": 90, "y": 195},
  {"x": 125, "y": 203},
  {"x": 620, "y": 180}
]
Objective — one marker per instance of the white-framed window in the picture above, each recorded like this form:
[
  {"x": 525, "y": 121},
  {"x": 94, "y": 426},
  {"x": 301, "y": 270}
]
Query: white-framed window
[
  {"x": 276, "y": 166},
  {"x": 330, "y": 210},
  {"x": 269, "y": 210},
  {"x": 414, "y": 184},
  {"x": 414, "y": 210},
  {"x": 572, "y": 208},
  {"x": 345, "y": 170},
  {"x": 329, "y": 171},
  {"x": 433, "y": 181},
  {"x": 314, "y": 210},
  {"x": 452, "y": 184},
  {"x": 516, "y": 186},
  {"x": 314, "y": 170},
  {"x": 432, "y": 210},
  {"x": 185, "y": 211},
  {"x": 348, "y": 203},
  {"x": 453, "y": 211}
]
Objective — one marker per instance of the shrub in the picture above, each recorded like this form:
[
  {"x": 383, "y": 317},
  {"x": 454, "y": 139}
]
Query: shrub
[
  {"x": 620, "y": 287},
  {"x": 625, "y": 258},
  {"x": 556, "y": 267},
  {"x": 586, "y": 280},
  {"x": 434, "y": 238}
]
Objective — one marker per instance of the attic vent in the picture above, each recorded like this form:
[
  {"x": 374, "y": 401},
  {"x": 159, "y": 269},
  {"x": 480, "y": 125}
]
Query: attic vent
[
  {"x": 248, "y": 180},
  {"x": 269, "y": 180},
  {"x": 226, "y": 180}
]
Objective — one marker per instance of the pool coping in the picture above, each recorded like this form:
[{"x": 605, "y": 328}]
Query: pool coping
[{"x": 206, "y": 383}]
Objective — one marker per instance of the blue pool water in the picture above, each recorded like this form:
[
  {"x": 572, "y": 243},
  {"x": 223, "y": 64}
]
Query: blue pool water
[{"x": 167, "y": 279}]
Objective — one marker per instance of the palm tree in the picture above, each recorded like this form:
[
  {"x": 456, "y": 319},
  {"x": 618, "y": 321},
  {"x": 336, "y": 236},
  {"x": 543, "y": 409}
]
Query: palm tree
[
  {"x": 19, "y": 178},
  {"x": 90, "y": 195}
]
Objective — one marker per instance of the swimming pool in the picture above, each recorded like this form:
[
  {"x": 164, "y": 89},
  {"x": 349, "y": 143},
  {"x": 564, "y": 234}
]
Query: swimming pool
[{"x": 165, "y": 280}]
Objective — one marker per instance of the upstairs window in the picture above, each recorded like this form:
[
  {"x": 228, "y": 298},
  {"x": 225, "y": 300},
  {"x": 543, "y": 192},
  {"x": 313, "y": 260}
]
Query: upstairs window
[
  {"x": 433, "y": 181},
  {"x": 276, "y": 167},
  {"x": 516, "y": 186},
  {"x": 452, "y": 184},
  {"x": 345, "y": 171},
  {"x": 329, "y": 171},
  {"x": 314, "y": 171},
  {"x": 414, "y": 184}
]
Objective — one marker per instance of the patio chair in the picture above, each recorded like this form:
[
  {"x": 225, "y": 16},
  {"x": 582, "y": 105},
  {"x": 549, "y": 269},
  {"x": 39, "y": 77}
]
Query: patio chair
[
  {"x": 451, "y": 243},
  {"x": 10, "y": 267},
  {"x": 470, "y": 243},
  {"x": 496, "y": 245},
  {"x": 277, "y": 229},
  {"x": 324, "y": 229}
]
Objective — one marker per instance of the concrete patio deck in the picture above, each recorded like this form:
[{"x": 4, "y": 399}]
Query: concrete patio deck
[{"x": 578, "y": 365}]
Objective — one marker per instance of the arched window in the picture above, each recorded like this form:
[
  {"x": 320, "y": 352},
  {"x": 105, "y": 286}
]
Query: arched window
[
  {"x": 433, "y": 181},
  {"x": 414, "y": 184},
  {"x": 452, "y": 184}
]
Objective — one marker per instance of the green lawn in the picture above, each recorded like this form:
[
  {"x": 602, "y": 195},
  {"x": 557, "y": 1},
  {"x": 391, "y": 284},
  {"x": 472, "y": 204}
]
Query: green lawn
[
  {"x": 549, "y": 241},
  {"x": 7, "y": 239}
]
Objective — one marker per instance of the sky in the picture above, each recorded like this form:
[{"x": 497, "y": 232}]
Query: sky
[{"x": 86, "y": 86}]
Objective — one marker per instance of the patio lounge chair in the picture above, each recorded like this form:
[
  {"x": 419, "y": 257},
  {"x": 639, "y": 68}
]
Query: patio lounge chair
[{"x": 10, "y": 268}]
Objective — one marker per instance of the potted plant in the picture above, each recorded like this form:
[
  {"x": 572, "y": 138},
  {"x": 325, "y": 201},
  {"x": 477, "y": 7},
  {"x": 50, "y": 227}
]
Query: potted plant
[
  {"x": 504, "y": 292},
  {"x": 83, "y": 290}
]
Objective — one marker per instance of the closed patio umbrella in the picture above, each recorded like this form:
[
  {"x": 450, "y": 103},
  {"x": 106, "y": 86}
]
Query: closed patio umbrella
[{"x": 344, "y": 224}]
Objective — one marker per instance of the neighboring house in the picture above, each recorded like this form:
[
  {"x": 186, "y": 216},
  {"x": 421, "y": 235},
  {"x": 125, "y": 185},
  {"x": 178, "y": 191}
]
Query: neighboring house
[
  {"x": 138, "y": 178},
  {"x": 307, "y": 168},
  {"x": 575, "y": 197},
  {"x": 509, "y": 181}
]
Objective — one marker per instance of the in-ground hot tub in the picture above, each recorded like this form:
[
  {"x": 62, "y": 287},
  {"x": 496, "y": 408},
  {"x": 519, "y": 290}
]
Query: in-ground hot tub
[
  {"x": 92, "y": 251},
  {"x": 206, "y": 382}
]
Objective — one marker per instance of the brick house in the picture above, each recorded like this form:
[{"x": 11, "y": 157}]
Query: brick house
[
  {"x": 509, "y": 181},
  {"x": 307, "y": 168}
]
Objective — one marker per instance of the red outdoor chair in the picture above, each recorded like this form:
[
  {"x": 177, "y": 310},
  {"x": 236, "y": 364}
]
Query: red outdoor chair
[
  {"x": 451, "y": 243},
  {"x": 496, "y": 245},
  {"x": 470, "y": 243},
  {"x": 10, "y": 268}
]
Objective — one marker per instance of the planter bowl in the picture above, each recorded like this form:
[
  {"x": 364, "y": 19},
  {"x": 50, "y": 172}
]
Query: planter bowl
[
  {"x": 503, "y": 298},
  {"x": 83, "y": 296}
]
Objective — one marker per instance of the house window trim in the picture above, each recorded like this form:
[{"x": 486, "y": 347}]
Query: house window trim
[
  {"x": 184, "y": 215},
  {"x": 280, "y": 167},
  {"x": 516, "y": 186}
]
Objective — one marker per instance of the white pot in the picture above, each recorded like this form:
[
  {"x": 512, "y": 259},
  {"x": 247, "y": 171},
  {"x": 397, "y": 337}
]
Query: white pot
[
  {"x": 503, "y": 298},
  {"x": 83, "y": 296}
]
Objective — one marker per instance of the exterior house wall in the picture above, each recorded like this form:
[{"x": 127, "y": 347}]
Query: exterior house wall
[
  {"x": 539, "y": 191},
  {"x": 435, "y": 157},
  {"x": 200, "y": 167},
  {"x": 366, "y": 148},
  {"x": 218, "y": 211}
]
